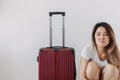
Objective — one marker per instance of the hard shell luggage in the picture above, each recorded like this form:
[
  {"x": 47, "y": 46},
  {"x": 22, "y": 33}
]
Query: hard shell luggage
[{"x": 56, "y": 62}]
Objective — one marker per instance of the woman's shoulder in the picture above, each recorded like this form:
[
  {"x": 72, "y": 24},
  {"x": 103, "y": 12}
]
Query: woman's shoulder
[
  {"x": 87, "y": 51},
  {"x": 88, "y": 47}
]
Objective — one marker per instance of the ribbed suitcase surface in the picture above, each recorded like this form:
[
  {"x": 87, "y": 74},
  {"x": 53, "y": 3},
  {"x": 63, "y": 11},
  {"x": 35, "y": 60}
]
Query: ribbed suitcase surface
[{"x": 57, "y": 64}]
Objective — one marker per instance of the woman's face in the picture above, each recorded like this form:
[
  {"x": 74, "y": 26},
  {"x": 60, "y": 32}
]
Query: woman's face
[{"x": 101, "y": 37}]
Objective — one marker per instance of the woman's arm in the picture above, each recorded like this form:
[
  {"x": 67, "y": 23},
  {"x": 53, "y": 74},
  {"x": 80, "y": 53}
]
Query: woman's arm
[{"x": 82, "y": 69}]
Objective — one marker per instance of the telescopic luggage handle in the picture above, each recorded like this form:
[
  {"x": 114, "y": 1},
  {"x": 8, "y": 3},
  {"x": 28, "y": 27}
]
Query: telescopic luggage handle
[{"x": 63, "y": 27}]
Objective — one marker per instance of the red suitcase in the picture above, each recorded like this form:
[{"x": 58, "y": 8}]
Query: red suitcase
[{"x": 56, "y": 62}]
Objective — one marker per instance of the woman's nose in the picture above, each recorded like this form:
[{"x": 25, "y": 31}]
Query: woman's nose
[{"x": 102, "y": 37}]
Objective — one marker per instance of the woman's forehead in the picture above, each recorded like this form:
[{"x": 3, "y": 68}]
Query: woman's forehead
[{"x": 101, "y": 29}]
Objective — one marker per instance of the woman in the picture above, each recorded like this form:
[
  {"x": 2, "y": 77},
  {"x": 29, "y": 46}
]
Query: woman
[{"x": 101, "y": 59}]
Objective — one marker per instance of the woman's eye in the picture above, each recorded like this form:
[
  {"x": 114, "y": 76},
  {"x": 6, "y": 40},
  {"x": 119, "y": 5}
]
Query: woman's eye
[
  {"x": 98, "y": 34},
  {"x": 106, "y": 34}
]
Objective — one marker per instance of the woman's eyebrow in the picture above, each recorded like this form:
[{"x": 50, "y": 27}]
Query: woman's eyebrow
[{"x": 100, "y": 32}]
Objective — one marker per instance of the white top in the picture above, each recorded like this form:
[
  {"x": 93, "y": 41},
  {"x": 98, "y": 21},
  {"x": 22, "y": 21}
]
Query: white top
[{"x": 89, "y": 53}]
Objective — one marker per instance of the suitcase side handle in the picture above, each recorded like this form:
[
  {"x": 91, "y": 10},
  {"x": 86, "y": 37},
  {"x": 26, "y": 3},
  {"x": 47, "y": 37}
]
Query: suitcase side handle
[
  {"x": 63, "y": 27},
  {"x": 56, "y": 13}
]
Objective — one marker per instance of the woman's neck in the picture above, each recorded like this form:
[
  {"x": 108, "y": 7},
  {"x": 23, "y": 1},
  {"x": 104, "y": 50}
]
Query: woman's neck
[
  {"x": 101, "y": 53},
  {"x": 100, "y": 49}
]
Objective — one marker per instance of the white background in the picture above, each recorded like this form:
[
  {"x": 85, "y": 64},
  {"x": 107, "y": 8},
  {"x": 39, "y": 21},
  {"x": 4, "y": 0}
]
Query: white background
[{"x": 24, "y": 29}]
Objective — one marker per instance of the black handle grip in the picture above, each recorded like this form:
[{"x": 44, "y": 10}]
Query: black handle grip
[{"x": 56, "y": 13}]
